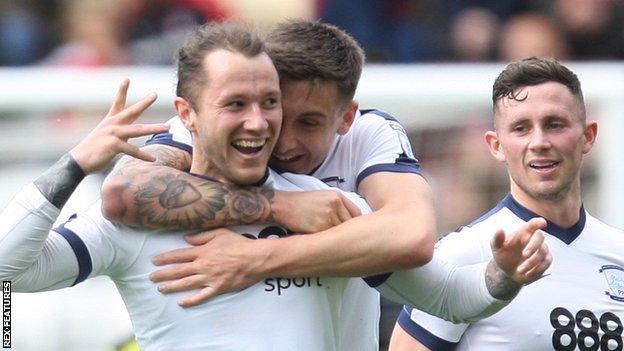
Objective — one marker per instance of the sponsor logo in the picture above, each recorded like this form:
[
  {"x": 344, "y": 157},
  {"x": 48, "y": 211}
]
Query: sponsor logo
[
  {"x": 615, "y": 281},
  {"x": 280, "y": 284}
]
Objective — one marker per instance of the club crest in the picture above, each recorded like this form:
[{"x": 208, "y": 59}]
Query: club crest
[{"x": 615, "y": 281}]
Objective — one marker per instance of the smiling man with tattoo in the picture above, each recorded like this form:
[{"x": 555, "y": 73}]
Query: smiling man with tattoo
[
  {"x": 229, "y": 99},
  {"x": 323, "y": 134}
]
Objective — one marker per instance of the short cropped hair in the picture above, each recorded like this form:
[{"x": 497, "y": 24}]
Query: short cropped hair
[
  {"x": 205, "y": 39},
  {"x": 534, "y": 71},
  {"x": 311, "y": 50}
]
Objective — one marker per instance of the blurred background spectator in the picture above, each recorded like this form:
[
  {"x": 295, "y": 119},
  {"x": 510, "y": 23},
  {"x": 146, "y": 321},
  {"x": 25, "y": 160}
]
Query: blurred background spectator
[{"x": 122, "y": 32}]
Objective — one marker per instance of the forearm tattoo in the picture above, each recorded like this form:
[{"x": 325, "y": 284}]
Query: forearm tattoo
[
  {"x": 164, "y": 198},
  {"x": 499, "y": 284},
  {"x": 170, "y": 201},
  {"x": 59, "y": 181}
]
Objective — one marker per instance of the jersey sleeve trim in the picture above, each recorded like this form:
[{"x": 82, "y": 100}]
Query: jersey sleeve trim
[
  {"x": 419, "y": 333},
  {"x": 402, "y": 165},
  {"x": 167, "y": 139},
  {"x": 376, "y": 280},
  {"x": 85, "y": 265}
]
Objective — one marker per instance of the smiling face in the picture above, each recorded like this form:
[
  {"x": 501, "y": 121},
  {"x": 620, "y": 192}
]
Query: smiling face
[
  {"x": 237, "y": 117},
  {"x": 313, "y": 116},
  {"x": 542, "y": 139}
]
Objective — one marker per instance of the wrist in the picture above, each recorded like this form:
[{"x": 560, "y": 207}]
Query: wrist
[
  {"x": 499, "y": 284},
  {"x": 59, "y": 181},
  {"x": 279, "y": 207}
]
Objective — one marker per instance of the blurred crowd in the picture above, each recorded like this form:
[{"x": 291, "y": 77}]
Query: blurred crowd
[{"x": 141, "y": 32}]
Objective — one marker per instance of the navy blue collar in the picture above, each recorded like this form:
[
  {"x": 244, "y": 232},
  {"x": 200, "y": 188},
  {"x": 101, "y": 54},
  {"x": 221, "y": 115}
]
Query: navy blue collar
[
  {"x": 259, "y": 183},
  {"x": 566, "y": 235}
]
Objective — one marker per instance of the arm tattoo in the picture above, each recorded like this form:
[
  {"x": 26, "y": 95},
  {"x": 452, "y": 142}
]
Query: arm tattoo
[
  {"x": 177, "y": 202},
  {"x": 59, "y": 181},
  {"x": 499, "y": 284}
]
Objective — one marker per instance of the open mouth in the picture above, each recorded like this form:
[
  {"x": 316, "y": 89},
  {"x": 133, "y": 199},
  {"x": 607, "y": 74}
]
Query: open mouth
[
  {"x": 543, "y": 165},
  {"x": 286, "y": 159},
  {"x": 249, "y": 147}
]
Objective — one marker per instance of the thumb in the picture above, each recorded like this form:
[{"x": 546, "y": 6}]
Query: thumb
[{"x": 498, "y": 240}]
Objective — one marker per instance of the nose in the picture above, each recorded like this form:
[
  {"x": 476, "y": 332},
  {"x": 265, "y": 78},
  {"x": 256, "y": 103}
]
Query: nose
[
  {"x": 539, "y": 140},
  {"x": 256, "y": 121},
  {"x": 286, "y": 142}
]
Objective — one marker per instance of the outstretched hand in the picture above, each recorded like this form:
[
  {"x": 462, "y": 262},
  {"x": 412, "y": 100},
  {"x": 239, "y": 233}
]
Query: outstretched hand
[
  {"x": 110, "y": 136},
  {"x": 523, "y": 255}
]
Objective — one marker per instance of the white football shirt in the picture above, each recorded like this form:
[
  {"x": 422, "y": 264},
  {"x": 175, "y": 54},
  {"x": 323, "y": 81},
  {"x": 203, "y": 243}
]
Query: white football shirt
[
  {"x": 578, "y": 305},
  {"x": 301, "y": 313},
  {"x": 376, "y": 142}
]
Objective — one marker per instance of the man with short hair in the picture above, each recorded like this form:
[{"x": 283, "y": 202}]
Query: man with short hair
[
  {"x": 541, "y": 133},
  {"x": 229, "y": 100},
  {"x": 323, "y": 134}
]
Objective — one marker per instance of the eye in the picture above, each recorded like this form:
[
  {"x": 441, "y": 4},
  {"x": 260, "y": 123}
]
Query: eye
[
  {"x": 309, "y": 122},
  {"x": 519, "y": 128},
  {"x": 270, "y": 103},
  {"x": 235, "y": 104},
  {"x": 555, "y": 125}
]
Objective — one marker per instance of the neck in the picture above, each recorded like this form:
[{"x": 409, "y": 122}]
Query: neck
[
  {"x": 202, "y": 166},
  {"x": 563, "y": 211}
]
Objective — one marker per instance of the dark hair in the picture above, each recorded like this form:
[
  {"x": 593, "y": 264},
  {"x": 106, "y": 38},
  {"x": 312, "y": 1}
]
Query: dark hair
[
  {"x": 533, "y": 71},
  {"x": 204, "y": 39},
  {"x": 311, "y": 50}
]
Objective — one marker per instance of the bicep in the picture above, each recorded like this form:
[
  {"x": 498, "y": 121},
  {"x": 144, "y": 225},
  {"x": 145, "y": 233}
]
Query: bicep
[{"x": 395, "y": 188}]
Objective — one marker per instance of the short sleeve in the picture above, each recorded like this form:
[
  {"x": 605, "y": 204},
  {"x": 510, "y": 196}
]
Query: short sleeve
[
  {"x": 382, "y": 145},
  {"x": 177, "y": 136}
]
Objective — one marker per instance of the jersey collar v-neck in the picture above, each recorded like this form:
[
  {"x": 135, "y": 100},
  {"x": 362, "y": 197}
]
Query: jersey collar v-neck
[{"x": 567, "y": 235}]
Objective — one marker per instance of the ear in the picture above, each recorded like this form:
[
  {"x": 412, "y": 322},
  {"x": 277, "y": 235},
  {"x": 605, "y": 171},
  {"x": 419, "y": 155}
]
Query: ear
[
  {"x": 186, "y": 113},
  {"x": 347, "y": 118},
  {"x": 494, "y": 145},
  {"x": 589, "y": 136}
]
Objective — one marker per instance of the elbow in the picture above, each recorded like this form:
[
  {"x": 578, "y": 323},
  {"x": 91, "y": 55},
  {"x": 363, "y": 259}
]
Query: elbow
[
  {"x": 418, "y": 249},
  {"x": 113, "y": 207}
]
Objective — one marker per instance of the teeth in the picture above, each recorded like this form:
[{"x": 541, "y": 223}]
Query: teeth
[
  {"x": 542, "y": 165},
  {"x": 284, "y": 158},
  {"x": 249, "y": 143}
]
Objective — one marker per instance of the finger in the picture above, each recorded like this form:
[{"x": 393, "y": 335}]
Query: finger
[
  {"x": 539, "y": 270},
  {"x": 535, "y": 259},
  {"x": 193, "y": 300},
  {"x": 354, "y": 211},
  {"x": 137, "y": 130},
  {"x": 176, "y": 271},
  {"x": 135, "y": 152},
  {"x": 498, "y": 240},
  {"x": 186, "y": 254},
  {"x": 200, "y": 238},
  {"x": 120, "y": 100},
  {"x": 535, "y": 242},
  {"x": 184, "y": 284},
  {"x": 133, "y": 112},
  {"x": 343, "y": 214},
  {"x": 530, "y": 227}
]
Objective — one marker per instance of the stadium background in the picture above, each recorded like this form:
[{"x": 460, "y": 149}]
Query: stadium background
[{"x": 431, "y": 64}]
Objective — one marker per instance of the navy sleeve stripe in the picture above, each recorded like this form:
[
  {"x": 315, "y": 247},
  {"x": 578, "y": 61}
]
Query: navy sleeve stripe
[
  {"x": 385, "y": 115},
  {"x": 422, "y": 335},
  {"x": 167, "y": 139},
  {"x": 85, "y": 266},
  {"x": 376, "y": 280},
  {"x": 399, "y": 167}
]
